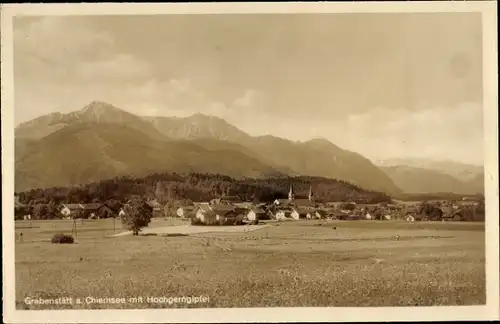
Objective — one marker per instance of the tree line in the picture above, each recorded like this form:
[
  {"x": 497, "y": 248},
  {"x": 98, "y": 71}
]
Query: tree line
[{"x": 197, "y": 187}]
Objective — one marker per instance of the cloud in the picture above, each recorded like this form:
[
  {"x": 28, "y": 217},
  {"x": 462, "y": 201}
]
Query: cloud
[
  {"x": 120, "y": 67},
  {"x": 250, "y": 99},
  {"x": 50, "y": 42},
  {"x": 62, "y": 49},
  {"x": 62, "y": 64},
  {"x": 452, "y": 132}
]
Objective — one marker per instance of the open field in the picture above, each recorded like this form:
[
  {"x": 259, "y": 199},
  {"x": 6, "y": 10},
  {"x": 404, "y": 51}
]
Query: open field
[{"x": 294, "y": 263}]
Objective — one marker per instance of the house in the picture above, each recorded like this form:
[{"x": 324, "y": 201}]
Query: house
[
  {"x": 410, "y": 218},
  {"x": 80, "y": 210},
  {"x": 202, "y": 212},
  {"x": 299, "y": 213},
  {"x": 91, "y": 210},
  {"x": 343, "y": 214},
  {"x": 316, "y": 213},
  {"x": 157, "y": 208},
  {"x": 256, "y": 214},
  {"x": 245, "y": 205},
  {"x": 283, "y": 213},
  {"x": 457, "y": 214},
  {"x": 323, "y": 213},
  {"x": 206, "y": 215},
  {"x": 185, "y": 211},
  {"x": 217, "y": 214},
  {"x": 224, "y": 213},
  {"x": 70, "y": 210}
]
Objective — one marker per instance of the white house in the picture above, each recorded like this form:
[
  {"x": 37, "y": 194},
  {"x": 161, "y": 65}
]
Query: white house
[
  {"x": 298, "y": 213},
  {"x": 209, "y": 214},
  {"x": 184, "y": 211},
  {"x": 255, "y": 213},
  {"x": 71, "y": 210},
  {"x": 283, "y": 214},
  {"x": 201, "y": 211},
  {"x": 316, "y": 214},
  {"x": 68, "y": 210},
  {"x": 410, "y": 218}
]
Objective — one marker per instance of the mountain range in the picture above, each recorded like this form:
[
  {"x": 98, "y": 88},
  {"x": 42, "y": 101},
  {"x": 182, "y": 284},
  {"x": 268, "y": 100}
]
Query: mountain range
[
  {"x": 426, "y": 176},
  {"x": 102, "y": 141}
]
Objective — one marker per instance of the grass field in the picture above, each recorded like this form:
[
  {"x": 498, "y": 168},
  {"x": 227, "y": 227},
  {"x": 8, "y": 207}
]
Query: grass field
[{"x": 298, "y": 263}]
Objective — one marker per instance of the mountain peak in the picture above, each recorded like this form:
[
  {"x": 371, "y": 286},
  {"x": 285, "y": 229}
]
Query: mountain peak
[
  {"x": 200, "y": 117},
  {"x": 100, "y": 111},
  {"x": 321, "y": 142},
  {"x": 97, "y": 106}
]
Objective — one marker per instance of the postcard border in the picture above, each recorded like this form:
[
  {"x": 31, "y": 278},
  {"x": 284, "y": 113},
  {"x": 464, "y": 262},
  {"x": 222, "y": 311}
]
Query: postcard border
[{"x": 298, "y": 314}]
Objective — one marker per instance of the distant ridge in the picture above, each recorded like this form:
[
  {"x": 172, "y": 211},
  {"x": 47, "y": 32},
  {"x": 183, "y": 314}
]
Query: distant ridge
[{"x": 429, "y": 176}]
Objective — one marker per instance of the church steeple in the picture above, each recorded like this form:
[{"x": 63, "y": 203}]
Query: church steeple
[
  {"x": 310, "y": 196},
  {"x": 291, "y": 194}
]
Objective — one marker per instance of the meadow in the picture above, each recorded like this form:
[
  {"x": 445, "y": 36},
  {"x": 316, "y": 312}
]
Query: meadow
[{"x": 294, "y": 263}]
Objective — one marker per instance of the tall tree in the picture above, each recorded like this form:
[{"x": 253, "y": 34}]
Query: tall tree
[
  {"x": 52, "y": 211},
  {"x": 137, "y": 215},
  {"x": 160, "y": 192}
]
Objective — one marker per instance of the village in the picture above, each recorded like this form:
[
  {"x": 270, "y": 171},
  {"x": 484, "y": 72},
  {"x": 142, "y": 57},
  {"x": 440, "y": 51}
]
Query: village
[{"x": 228, "y": 210}]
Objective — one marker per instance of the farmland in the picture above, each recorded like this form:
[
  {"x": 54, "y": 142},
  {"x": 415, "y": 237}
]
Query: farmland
[{"x": 294, "y": 263}]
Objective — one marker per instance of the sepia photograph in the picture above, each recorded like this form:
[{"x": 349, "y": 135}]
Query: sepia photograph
[{"x": 250, "y": 162}]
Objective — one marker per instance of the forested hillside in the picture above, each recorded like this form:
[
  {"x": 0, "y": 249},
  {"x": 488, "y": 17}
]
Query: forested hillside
[{"x": 201, "y": 187}]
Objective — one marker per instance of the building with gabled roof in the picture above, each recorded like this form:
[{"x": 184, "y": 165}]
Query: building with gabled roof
[{"x": 255, "y": 214}]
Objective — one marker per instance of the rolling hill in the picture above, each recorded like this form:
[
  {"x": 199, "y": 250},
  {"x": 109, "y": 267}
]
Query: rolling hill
[
  {"x": 101, "y": 141},
  {"x": 420, "y": 180},
  {"x": 87, "y": 152}
]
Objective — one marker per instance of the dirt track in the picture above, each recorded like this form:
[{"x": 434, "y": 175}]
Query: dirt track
[{"x": 188, "y": 229}]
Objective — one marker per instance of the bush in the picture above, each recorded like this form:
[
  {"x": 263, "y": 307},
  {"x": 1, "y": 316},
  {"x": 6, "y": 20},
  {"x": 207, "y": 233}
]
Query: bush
[{"x": 62, "y": 239}]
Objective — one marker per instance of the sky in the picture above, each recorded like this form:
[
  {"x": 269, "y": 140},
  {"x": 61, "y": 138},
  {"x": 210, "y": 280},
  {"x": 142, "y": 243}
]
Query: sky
[{"x": 383, "y": 85}]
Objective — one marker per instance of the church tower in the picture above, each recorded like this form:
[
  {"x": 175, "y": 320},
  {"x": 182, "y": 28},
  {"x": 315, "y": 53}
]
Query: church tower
[
  {"x": 291, "y": 194},
  {"x": 310, "y": 196}
]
